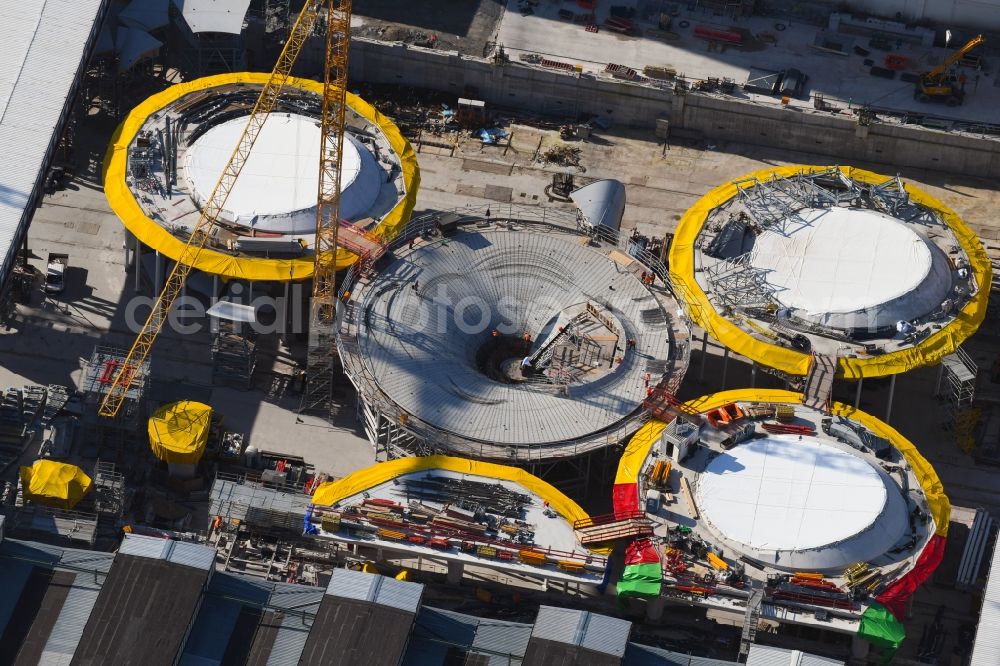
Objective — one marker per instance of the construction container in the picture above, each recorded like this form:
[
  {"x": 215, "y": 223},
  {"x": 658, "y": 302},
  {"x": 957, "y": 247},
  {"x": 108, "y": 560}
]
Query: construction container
[{"x": 532, "y": 557}]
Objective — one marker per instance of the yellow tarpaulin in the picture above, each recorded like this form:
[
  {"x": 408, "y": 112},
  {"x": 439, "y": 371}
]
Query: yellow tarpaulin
[
  {"x": 179, "y": 431},
  {"x": 940, "y": 507},
  {"x": 151, "y": 234},
  {"x": 55, "y": 484},
  {"x": 928, "y": 352},
  {"x": 331, "y": 492}
]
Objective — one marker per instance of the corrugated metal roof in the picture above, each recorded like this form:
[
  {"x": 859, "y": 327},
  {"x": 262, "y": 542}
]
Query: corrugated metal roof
[
  {"x": 179, "y": 552},
  {"x": 436, "y": 631},
  {"x": 986, "y": 649},
  {"x": 504, "y": 637},
  {"x": 16, "y": 561},
  {"x": 765, "y": 655},
  {"x": 646, "y": 655},
  {"x": 588, "y": 630},
  {"x": 376, "y": 589},
  {"x": 43, "y": 48},
  {"x": 294, "y": 630}
]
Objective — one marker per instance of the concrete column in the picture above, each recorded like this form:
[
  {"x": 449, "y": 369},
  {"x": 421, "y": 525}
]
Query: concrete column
[
  {"x": 285, "y": 309},
  {"x": 455, "y": 571},
  {"x": 138, "y": 266},
  {"x": 128, "y": 237},
  {"x": 940, "y": 379},
  {"x": 158, "y": 274},
  {"x": 857, "y": 393},
  {"x": 892, "y": 394},
  {"x": 704, "y": 356},
  {"x": 677, "y": 110},
  {"x": 859, "y": 649},
  {"x": 725, "y": 367},
  {"x": 654, "y": 609}
]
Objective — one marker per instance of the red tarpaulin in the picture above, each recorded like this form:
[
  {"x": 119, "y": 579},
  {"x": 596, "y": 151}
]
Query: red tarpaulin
[
  {"x": 641, "y": 551},
  {"x": 896, "y": 595},
  {"x": 625, "y": 499}
]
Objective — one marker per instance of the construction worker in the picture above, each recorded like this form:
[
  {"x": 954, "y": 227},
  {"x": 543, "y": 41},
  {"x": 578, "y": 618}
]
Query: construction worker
[
  {"x": 487, "y": 213},
  {"x": 412, "y": 241},
  {"x": 415, "y": 286},
  {"x": 495, "y": 334}
]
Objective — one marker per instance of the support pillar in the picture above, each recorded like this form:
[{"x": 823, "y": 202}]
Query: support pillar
[
  {"x": 940, "y": 380},
  {"x": 138, "y": 266},
  {"x": 285, "y": 309},
  {"x": 158, "y": 274},
  {"x": 125, "y": 245},
  {"x": 704, "y": 356},
  {"x": 857, "y": 393},
  {"x": 725, "y": 367},
  {"x": 859, "y": 649},
  {"x": 455, "y": 571},
  {"x": 892, "y": 394},
  {"x": 654, "y": 609},
  {"x": 753, "y": 374}
]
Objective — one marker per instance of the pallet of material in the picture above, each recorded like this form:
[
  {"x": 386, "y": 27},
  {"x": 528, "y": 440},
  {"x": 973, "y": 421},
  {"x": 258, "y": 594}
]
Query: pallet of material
[
  {"x": 391, "y": 535},
  {"x": 620, "y": 529},
  {"x": 458, "y": 525},
  {"x": 689, "y": 496},
  {"x": 570, "y": 566},
  {"x": 532, "y": 557}
]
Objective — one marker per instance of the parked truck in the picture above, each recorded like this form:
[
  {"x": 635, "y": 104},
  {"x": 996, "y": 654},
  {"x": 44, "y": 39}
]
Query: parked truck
[{"x": 55, "y": 276}]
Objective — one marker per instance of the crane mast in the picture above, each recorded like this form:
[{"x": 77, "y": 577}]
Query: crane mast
[
  {"x": 337, "y": 37},
  {"x": 321, "y": 362}
]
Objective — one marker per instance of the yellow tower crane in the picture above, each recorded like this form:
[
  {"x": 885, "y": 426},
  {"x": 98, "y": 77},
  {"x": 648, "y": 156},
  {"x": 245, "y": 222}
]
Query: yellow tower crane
[{"x": 338, "y": 21}]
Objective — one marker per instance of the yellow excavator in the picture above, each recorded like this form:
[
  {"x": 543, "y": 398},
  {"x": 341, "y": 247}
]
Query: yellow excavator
[{"x": 940, "y": 84}]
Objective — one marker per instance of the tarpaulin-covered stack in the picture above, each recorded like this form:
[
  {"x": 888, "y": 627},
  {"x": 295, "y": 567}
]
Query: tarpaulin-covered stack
[
  {"x": 178, "y": 433},
  {"x": 55, "y": 484},
  {"x": 643, "y": 573}
]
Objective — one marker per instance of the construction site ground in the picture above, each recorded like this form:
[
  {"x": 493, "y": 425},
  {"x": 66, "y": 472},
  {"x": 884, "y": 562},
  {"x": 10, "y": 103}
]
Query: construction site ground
[
  {"x": 465, "y": 27},
  {"x": 51, "y": 337}
]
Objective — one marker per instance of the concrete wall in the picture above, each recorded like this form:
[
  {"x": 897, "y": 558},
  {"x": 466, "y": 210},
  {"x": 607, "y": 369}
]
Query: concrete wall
[
  {"x": 978, "y": 14},
  {"x": 717, "y": 118}
]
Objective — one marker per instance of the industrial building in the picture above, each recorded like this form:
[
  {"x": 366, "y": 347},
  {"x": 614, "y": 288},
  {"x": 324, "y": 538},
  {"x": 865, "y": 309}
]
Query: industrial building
[
  {"x": 501, "y": 354},
  {"x": 164, "y": 163},
  {"x": 543, "y": 351},
  {"x": 46, "y": 51},
  {"x": 804, "y": 262},
  {"x": 778, "y": 512},
  {"x": 456, "y": 511},
  {"x": 162, "y": 602}
]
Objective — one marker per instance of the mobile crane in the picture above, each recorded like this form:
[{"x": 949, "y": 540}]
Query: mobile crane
[
  {"x": 941, "y": 85},
  {"x": 319, "y": 373}
]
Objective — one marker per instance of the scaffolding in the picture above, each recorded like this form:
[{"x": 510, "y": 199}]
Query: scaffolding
[
  {"x": 128, "y": 426},
  {"x": 234, "y": 354},
  {"x": 738, "y": 284},
  {"x": 109, "y": 491}
]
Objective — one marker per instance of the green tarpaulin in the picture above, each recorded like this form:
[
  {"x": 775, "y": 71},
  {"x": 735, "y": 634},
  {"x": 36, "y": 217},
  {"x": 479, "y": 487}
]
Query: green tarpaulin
[
  {"x": 640, "y": 580},
  {"x": 881, "y": 628}
]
